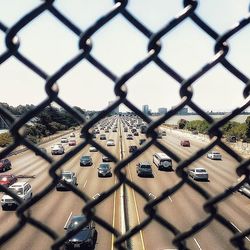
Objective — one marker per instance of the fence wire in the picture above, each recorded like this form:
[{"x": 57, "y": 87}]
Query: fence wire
[{"x": 154, "y": 48}]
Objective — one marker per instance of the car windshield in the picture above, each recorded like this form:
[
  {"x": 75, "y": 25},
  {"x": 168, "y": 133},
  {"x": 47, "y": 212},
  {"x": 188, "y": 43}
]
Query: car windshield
[
  {"x": 145, "y": 166},
  {"x": 86, "y": 158},
  {"x": 66, "y": 176},
  {"x": 201, "y": 170},
  {"x": 75, "y": 223},
  {"x": 16, "y": 190},
  {"x": 104, "y": 166}
]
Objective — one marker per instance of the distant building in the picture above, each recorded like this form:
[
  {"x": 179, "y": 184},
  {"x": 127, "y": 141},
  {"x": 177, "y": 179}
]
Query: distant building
[
  {"x": 145, "y": 109},
  {"x": 183, "y": 111},
  {"x": 116, "y": 110},
  {"x": 162, "y": 111}
]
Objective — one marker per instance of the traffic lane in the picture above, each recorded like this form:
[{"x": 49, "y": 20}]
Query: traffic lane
[
  {"x": 64, "y": 207},
  {"x": 192, "y": 214},
  {"x": 153, "y": 230},
  {"x": 234, "y": 207},
  {"x": 222, "y": 180}
]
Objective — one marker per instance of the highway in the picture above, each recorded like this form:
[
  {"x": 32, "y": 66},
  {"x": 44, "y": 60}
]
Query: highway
[{"x": 183, "y": 209}]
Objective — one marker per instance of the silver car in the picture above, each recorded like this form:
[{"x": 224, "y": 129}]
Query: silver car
[
  {"x": 69, "y": 177},
  {"x": 199, "y": 174},
  {"x": 245, "y": 189}
]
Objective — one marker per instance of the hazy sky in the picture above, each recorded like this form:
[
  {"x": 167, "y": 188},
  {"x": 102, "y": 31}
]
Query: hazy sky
[{"x": 119, "y": 46}]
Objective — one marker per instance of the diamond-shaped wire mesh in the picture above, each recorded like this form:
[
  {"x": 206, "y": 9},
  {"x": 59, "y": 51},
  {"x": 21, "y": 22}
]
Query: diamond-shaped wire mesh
[{"x": 210, "y": 205}]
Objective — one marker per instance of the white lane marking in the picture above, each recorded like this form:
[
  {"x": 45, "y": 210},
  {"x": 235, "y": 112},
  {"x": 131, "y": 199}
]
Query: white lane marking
[
  {"x": 65, "y": 226},
  {"x": 238, "y": 229},
  {"x": 197, "y": 244},
  {"x": 96, "y": 196},
  {"x": 84, "y": 185},
  {"x": 152, "y": 195},
  {"x": 170, "y": 198},
  {"x": 113, "y": 222}
]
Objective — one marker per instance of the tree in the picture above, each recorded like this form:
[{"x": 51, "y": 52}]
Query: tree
[{"x": 182, "y": 123}]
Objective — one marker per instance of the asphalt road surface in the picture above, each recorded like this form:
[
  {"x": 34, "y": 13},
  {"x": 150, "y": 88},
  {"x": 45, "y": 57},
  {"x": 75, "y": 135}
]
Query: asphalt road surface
[{"x": 183, "y": 209}]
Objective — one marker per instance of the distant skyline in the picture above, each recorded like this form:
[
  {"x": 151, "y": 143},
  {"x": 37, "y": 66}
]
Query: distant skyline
[{"x": 119, "y": 46}]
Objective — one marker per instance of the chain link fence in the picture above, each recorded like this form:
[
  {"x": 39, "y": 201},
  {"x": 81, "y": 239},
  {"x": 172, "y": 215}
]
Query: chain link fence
[{"x": 211, "y": 203}]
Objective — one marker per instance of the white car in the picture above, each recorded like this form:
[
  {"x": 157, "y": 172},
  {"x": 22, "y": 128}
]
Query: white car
[
  {"x": 93, "y": 149},
  {"x": 214, "y": 155},
  {"x": 64, "y": 140},
  {"x": 199, "y": 174},
  {"x": 57, "y": 150},
  {"x": 245, "y": 189},
  {"x": 22, "y": 189},
  {"x": 110, "y": 142}
]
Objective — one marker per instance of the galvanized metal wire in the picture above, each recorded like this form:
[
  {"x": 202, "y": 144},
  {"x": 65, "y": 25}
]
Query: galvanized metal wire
[{"x": 154, "y": 49}]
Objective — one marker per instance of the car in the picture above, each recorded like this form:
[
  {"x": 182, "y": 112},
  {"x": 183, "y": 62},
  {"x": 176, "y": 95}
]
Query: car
[
  {"x": 72, "y": 134},
  {"x": 22, "y": 189},
  {"x": 136, "y": 133},
  {"x": 163, "y": 133},
  {"x": 106, "y": 131},
  {"x": 110, "y": 142},
  {"x": 125, "y": 129},
  {"x": 64, "y": 140},
  {"x": 162, "y": 161},
  {"x": 232, "y": 139},
  {"x": 92, "y": 149},
  {"x": 69, "y": 177},
  {"x": 86, "y": 160},
  {"x": 129, "y": 137},
  {"x": 214, "y": 155},
  {"x": 141, "y": 141},
  {"x": 245, "y": 189},
  {"x": 114, "y": 130},
  {"x": 132, "y": 148},
  {"x": 198, "y": 174},
  {"x": 57, "y": 150},
  {"x": 106, "y": 158},
  {"x": 72, "y": 142},
  {"x": 144, "y": 169},
  {"x": 5, "y": 165},
  {"x": 185, "y": 143},
  {"x": 85, "y": 239},
  {"x": 7, "y": 180},
  {"x": 104, "y": 170},
  {"x": 103, "y": 137},
  {"x": 159, "y": 135}
]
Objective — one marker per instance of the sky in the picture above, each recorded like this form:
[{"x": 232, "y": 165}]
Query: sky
[{"x": 119, "y": 46}]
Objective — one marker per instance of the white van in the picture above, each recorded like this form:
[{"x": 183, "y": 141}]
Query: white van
[
  {"x": 21, "y": 189},
  {"x": 162, "y": 161}
]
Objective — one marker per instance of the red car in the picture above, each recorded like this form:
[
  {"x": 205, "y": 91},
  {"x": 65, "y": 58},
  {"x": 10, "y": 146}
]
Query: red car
[
  {"x": 185, "y": 143},
  {"x": 72, "y": 142},
  {"x": 7, "y": 179}
]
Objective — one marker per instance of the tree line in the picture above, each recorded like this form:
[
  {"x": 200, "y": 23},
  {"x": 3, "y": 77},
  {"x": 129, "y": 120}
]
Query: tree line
[
  {"x": 240, "y": 130},
  {"x": 47, "y": 122}
]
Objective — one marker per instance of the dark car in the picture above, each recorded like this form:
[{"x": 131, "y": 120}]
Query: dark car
[
  {"x": 144, "y": 169},
  {"x": 86, "y": 160},
  {"x": 185, "y": 143},
  {"x": 132, "y": 148},
  {"x": 104, "y": 170},
  {"x": 85, "y": 238},
  {"x": 5, "y": 164},
  {"x": 136, "y": 133},
  {"x": 7, "y": 179},
  {"x": 102, "y": 137},
  {"x": 142, "y": 141},
  {"x": 106, "y": 158}
]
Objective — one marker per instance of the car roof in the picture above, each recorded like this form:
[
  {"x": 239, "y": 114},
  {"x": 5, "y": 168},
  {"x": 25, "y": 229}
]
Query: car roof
[
  {"x": 200, "y": 168},
  {"x": 163, "y": 155},
  {"x": 144, "y": 163},
  {"x": 19, "y": 183}
]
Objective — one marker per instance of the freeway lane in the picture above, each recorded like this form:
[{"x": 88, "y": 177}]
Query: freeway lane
[
  {"x": 56, "y": 207},
  {"x": 184, "y": 208}
]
